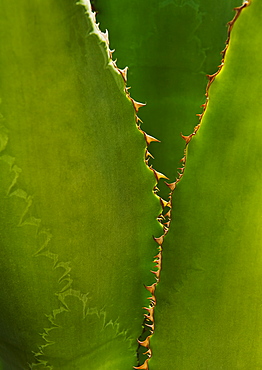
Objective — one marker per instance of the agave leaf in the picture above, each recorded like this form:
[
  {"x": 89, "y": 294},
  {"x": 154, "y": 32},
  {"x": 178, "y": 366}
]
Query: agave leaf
[
  {"x": 77, "y": 209},
  {"x": 169, "y": 46},
  {"x": 209, "y": 314}
]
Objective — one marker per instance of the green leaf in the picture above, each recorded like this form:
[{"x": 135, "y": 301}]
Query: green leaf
[
  {"x": 77, "y": 209},
  {"x": 169, "y": 46},
  {"x": 208, "y": 314}
]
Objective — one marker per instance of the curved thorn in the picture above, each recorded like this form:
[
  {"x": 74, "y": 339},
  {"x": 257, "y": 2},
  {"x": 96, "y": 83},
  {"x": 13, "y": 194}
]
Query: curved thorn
[
  {"x": 137, "y": 105},
  {"x": 123, "y": 73},
  {"x": 144, "y": 366},
  {"x": 150, "y": 139}
]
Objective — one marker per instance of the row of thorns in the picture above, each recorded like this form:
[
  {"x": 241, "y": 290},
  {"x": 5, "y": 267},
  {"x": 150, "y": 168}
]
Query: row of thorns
[{"x": 144, "y": 352}]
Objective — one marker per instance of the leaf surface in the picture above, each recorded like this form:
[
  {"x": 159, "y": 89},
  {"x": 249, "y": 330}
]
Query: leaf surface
[
  {"x": 77, "y": 208},
  {"x": 169, "y": 46},
  {"x": 209, "y": 314}
]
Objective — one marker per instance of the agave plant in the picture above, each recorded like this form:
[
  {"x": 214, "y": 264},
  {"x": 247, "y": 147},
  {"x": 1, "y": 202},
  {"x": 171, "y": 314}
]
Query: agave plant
[{"x": 84, "y": 285}]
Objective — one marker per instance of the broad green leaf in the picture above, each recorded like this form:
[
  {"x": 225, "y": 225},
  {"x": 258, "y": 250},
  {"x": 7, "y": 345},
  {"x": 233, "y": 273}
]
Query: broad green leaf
[
  {"x": 169, "y": 46},
  {"x": 77, "y": 211},
  {"x": 208, "y": 314}
]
